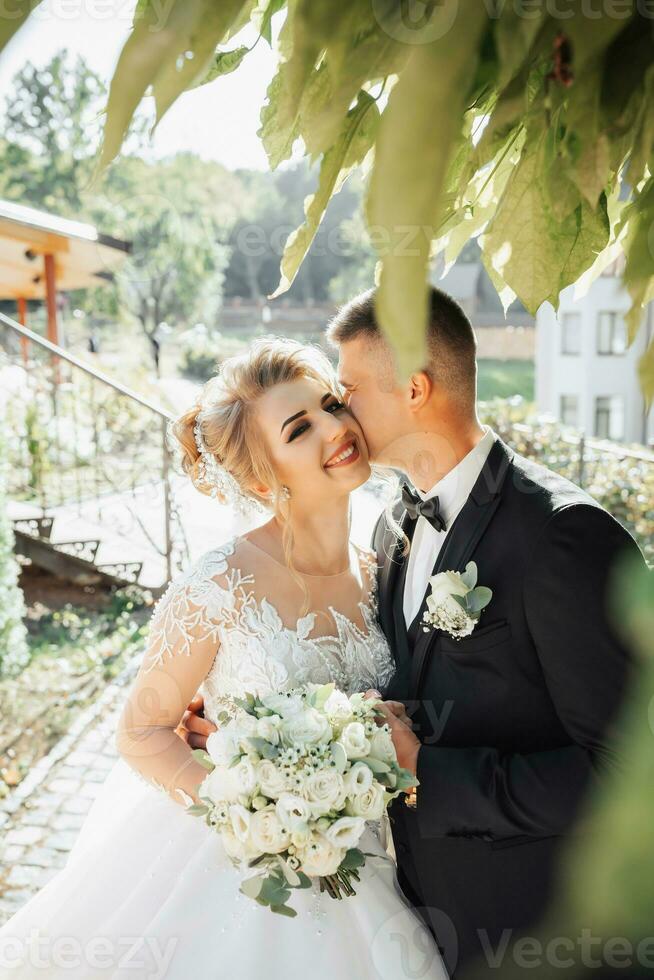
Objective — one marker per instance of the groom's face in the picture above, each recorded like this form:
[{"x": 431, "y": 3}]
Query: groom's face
[{"x": 365, "y": 371}]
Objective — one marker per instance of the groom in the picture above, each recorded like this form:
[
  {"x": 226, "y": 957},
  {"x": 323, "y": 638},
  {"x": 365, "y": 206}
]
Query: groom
[{"x": 510, "y": 725}]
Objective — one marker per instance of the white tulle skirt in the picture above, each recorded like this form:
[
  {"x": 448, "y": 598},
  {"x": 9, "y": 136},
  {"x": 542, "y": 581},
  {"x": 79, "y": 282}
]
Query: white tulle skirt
[{"x": 149, "y": 892}]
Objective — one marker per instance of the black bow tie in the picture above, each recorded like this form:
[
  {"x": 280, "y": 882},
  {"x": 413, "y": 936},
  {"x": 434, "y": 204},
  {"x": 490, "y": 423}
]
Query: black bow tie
[{"x": 429, "y": 509}]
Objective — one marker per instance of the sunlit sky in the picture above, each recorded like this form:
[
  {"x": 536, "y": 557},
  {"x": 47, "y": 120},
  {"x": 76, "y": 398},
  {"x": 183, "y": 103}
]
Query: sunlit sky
[{"x": 218, "y": 121}]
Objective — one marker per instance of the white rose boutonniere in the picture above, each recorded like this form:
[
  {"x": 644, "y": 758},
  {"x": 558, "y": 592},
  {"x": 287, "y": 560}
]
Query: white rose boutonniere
[{"x": 455, "y": 602}]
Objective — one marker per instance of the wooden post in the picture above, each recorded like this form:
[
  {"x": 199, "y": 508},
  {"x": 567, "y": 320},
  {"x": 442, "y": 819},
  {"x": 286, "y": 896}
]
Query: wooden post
[
  {"x": 51, "y": 307},
  {"x": 22, "y": 319}
]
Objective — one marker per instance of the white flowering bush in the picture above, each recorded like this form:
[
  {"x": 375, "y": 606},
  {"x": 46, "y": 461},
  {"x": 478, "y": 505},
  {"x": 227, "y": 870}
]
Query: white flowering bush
[
  {"x": 293, "y": 778},
  {"x": 14, "y": 652},
  {"x": 623, "y": 484}
]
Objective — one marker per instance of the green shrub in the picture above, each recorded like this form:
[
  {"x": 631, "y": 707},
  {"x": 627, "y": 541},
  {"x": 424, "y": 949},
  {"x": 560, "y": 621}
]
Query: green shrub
[{"x": 202, "y": 352}]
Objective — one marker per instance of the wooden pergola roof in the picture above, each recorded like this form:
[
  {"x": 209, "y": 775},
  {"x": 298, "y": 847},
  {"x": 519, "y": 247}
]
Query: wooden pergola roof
[{"x": 81, "y": 255}]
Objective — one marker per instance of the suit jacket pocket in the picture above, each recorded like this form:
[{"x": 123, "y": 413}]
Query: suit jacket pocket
[
  {"x": 481, "y": 638},
  {"x": 522, "y": 839}
]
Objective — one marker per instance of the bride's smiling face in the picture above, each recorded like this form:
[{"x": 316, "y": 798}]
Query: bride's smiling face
[{"x": 316, "y": 446}]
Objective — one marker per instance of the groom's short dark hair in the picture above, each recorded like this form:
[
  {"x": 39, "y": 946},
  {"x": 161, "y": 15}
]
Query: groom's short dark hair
[{"x": 451, "y": 340}]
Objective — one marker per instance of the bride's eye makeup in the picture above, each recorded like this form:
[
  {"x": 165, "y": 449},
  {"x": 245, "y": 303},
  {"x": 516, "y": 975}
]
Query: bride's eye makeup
[{"x": 332, "y": 406}]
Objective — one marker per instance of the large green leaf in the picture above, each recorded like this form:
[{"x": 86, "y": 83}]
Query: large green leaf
[
  {"x": 643, "y": 142},
  {"x": 639, "y": 268},
  {"x": 477, "y": 205},
  {"x": 13, "y": 17},
  {"x": 354, "y": 142},
  {"x": 331, "y": 52},
  {"x": 414, "y": 146},
  {"x": 300, "y": 46},
  {"x": 646, "y": 374},
  {"x": 515, "y": 34},
  {"x": 155, "y": 39},
  {"x": 224, "y": 62},
  {"x": 587, "y": 147},
  {"x": 529, "y": 248},
  {"x": 265, "y": 23},
  {"x": 197, "y": 54},
  {"x": 357, "y": 54}
]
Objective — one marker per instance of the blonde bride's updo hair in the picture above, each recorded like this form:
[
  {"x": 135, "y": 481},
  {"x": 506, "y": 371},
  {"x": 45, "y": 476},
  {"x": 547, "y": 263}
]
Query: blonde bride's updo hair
[{"x": 227, "y": 403}]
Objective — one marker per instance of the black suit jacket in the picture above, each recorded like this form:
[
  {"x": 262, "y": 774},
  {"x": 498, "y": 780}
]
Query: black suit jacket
[{"x": 515, "y": 719}]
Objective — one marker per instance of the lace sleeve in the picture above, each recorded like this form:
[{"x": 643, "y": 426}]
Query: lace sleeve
[{"x": 182, "y": 645}]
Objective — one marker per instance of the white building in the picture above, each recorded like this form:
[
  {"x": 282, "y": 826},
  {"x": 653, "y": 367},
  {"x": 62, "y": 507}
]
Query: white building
[{"x": 585, "y": 374}]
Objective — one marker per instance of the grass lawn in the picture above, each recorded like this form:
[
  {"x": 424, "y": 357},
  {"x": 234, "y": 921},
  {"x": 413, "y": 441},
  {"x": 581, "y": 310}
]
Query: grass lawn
[{"x": 502, "y": 379}]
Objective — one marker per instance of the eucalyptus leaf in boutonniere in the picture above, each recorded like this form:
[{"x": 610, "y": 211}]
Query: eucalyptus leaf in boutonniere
[{"x": 455, "y": 602}]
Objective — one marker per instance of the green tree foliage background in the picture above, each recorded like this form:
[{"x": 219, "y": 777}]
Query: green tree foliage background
[
  {"x": 198, "y": 231},
  {"x": 530, "y": 125}
]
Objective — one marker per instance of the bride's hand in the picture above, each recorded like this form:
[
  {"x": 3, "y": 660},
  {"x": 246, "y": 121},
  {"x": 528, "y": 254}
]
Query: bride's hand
[{"x": 194, "y": 728}]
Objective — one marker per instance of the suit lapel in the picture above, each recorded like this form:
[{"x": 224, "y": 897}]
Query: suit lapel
[{"x": 461, "y": 541}]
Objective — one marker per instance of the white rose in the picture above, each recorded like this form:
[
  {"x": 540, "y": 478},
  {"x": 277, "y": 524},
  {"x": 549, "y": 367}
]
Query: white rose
[
  {"x": 268, "y": 728},
  {"x": 381, "y": 746},
  {"x": 358, "y": 779},
  {"x": 247, "y": 727},
  {"x": 369, "y": 805},
  {"x": 283, "y": 705},
  {"x": 222, "y": 746},
  {"x": 320, "y": 857},
  {"x": 354, "y": 741},
  {"x": 306, "y": 728},
  {"x": 338, "y": 708},
  {"x": 325, "y": 791},
  {"x": 293, "y": 812},
  {"x": 236, "y": 849},
  {"x": 239, "y": 819},
  {"x": 300, "y": 837},
  {"x": 451, "y": 617},
  {"x": 444, "y": 585},
  {"x": 267, "y": 833},
  {"x": 222, "y": 784},
  {"x": 271, "y": 780},
  {"x": 346, "y": 831},
  {"x": 232, "y": 844},
  {"x": 246, "y": 777}
]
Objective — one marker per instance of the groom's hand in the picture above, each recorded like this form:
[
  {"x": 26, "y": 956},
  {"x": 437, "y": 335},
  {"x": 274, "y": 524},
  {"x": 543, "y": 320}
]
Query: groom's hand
[
  {"x": 194, "y": 728},
  {"x": 407, "y": 745}
]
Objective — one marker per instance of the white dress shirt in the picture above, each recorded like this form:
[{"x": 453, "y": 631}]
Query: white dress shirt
[{"x": 452, "y": 492}]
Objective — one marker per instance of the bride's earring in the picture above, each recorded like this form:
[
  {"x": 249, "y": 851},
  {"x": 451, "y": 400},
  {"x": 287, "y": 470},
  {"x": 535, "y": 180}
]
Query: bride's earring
[{"x": 285, "y": 493}]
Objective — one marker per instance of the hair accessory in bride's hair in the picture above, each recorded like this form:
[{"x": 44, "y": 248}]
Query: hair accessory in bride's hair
[{"x": 219, "y": 479}]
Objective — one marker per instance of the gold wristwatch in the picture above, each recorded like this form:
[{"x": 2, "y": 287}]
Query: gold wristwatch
[{"x": 411, "y": 798}]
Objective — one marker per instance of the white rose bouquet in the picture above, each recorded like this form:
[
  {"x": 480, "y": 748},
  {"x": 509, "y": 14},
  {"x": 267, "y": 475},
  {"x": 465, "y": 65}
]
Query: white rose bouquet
[{"x": 292, "y": 779}]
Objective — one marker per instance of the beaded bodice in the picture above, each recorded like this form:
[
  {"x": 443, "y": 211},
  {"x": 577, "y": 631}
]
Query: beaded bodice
[{"x": 258, "y": 652}]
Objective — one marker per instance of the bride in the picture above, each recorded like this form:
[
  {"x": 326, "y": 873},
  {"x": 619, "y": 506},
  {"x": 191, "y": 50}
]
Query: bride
[{"x": 148, "y": 890}]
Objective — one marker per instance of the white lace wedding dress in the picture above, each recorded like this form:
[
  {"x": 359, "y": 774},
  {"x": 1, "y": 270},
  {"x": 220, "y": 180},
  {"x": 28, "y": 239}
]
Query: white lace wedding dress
[{"x": 148, "y": 890}]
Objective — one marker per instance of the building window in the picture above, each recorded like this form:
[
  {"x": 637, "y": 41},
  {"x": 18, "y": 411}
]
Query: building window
[
  {"x": 571, "y": 333},
  {"x": 609, "y": 417},
  {"x": 611, "y": 334},
  {"x": 569, "y": 409}
]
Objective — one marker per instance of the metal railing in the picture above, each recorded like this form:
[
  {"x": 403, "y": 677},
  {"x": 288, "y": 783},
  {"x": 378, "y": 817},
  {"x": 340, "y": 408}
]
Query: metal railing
[
  {"x": 86, "y": 450},
  {"x": 620, "y": 477},
  {"x": 89, "y": 453}
]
